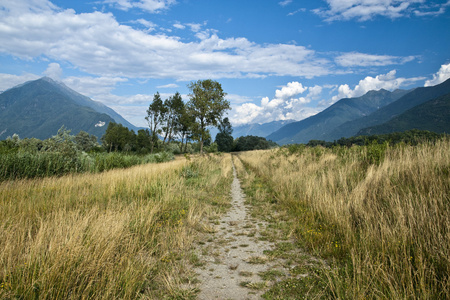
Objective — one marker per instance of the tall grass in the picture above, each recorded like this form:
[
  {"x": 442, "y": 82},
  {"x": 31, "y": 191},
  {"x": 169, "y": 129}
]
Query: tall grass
[
  {"x": 120, "y": 234},
  {"x": 23, "y": 164},
  {"x": 379, "y": 215}
]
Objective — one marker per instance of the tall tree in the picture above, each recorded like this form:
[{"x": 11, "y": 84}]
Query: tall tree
[
  {"x": 173, "y": 110},
  {"x": 155, "y": 115},
  {"x": 224, "y": 139},
  {"x": 118, "y": 138},
  {"x": 207, "y": 104},
  {"x": 143, "y": 140},
  {"x": 186, "y": 123},
  {"x": 85, "y": 141}
]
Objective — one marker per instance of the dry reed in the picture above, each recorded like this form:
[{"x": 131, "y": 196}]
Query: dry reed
[
  {"x": 119, "y": 234},
  {"x": 383, "y": 227}
]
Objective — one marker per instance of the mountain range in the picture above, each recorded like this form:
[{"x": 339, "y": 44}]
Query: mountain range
[
  {"x": 39, "y": 108},
  {"x": 350, "y": 116}
]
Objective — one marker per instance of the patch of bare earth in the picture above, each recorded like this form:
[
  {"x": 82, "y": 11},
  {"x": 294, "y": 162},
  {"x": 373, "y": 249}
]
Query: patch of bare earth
[{"x": 235, "y": 259}]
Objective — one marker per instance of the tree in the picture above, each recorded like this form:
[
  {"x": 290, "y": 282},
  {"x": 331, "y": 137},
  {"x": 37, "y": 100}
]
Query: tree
[
  {"x": 250, "y": 142},
  {"x": 62, "y": 142},
  {"x": 186, "y": 122},
  {"x": 143, "y": 140},
  {"x": 119, "y": 138},
  {"x": 155, "y": 115},
  {"x": 85, "y": 141},
  {"x": 173, "y": 109},
  {"x": 224, "y": 139},
  {"x": 206, "y": 105}
]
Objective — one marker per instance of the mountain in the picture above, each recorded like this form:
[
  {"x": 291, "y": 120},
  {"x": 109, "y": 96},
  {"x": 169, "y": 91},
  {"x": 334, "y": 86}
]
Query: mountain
[
  {"x": 262, "y": 130},
  {"x": 39, "y": 108},
  {"x": 384, "y": 114},
  {"x": 316, "y": 127},
  {"x": 433, "y": 115},
  {"x": 86, "y": 101},
  {"x": 255, "y": 129}
]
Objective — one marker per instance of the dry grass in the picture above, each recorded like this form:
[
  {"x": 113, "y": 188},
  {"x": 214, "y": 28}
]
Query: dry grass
[
  {"x": 384, "y": 227},
  {"x": 120, "y": 234}
]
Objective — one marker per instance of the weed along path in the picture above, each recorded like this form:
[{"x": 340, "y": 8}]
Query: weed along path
[{"x": 235, "y": 261}]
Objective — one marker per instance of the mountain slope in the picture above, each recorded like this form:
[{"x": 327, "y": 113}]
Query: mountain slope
[
  {"x": 261, "y": 130},
  {"x": 433, "y": 115},
  {"x": 39, "y": 108},
  {"x": 408, "y": 101},
  {"x": 86, "y": 101},
  {"x": 317, "y": 126}
]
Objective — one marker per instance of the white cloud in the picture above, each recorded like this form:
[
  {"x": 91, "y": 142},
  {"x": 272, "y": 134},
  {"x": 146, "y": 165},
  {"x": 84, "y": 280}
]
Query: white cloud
[
  {"x": 386, "y": 81},
  {"x": 442, "y": 75},
  {"x": 286, "y": 105},
  {"x": 290, "y": 90},
  {"x": 364, "y": 10},
  {"x": 179, "y": 26},
  {"x": 285, "y": 2},
  {"x": 353, "y": 59},
  {"x": 168, "y": 86},
  {"x": 238, "y": 99},
  {"x": 195, "y": 27},
  {"x": 8, "y": 81},
  {"x": 150, "y": 25},
  {"x": 54, "y": 71},
  {"x": 97, "y": 88},
  {"x": 97, "y": 44},
  {"x": 152, "y": 6}
]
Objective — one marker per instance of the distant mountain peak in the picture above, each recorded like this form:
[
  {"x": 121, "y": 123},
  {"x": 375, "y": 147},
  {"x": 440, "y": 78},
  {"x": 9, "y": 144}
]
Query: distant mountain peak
[{"x": 38, "y": 108}]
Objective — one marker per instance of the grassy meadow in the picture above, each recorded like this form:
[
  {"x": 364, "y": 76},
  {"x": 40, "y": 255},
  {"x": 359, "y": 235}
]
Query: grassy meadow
[
  {"x": 120, "y": 234},
  {"x": 376, "y": 217}
]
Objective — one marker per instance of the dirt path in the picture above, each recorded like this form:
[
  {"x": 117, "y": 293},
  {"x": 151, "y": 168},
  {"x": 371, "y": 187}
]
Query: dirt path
[{"x": 233, "y": 256}]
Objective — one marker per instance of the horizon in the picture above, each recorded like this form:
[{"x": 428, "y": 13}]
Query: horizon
[{"x": 276, "y": 60}]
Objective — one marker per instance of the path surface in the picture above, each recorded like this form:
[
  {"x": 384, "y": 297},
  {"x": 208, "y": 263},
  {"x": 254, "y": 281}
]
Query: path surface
[{"x": 233, "y": 255}]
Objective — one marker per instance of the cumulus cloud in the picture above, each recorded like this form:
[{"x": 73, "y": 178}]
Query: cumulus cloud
[
  {"x": 356, "y": 59},
  {"x": 442, "y": 75},
  {"x": 287, "y": 104},
  {"x": 364, "y": 10},
  {"x": 54, "y": 71},
  {"x": 97, "y": 44},
  {"x": 290, "y": 90},
  {"x": 386, "y": 81}
]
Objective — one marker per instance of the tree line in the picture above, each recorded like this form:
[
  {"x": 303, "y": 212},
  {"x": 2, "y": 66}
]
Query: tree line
[{"x": 173, "y": 123}]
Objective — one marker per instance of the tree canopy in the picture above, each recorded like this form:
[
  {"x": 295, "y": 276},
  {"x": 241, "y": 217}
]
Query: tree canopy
[
  {"x": 224, "y": 139},
  {"x": 207, "y": 105}
]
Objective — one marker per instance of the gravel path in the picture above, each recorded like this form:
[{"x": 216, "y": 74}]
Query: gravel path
[{"x": 233, "y": 255}]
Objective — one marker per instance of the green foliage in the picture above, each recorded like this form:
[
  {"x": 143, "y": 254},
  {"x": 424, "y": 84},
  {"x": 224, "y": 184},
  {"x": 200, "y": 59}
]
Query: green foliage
[
  {"x": 119, "y": 138},
  {"x": 224, "y": 139},
  {"x": 250, "y": 142},
  {"x": 63, "y": 154},
  {"x": 86, "y": 142},
  {"x": 155, "y": 116},
  {"x": 410, "y": 137},
  {"x": 207, "y": 104}
]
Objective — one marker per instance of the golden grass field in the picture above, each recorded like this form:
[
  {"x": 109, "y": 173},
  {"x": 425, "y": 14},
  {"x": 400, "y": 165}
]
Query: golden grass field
[
  {"x": 121, "y": 234},
  {"x": 383, "y": 229},
  {"x": 377, "y": 222}
]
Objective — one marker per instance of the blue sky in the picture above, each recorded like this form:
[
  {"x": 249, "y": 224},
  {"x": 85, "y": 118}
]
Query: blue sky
[{"x": 285, "y": 59}]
